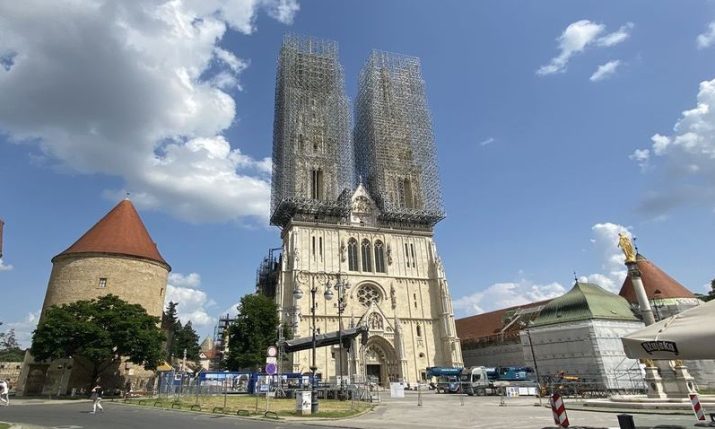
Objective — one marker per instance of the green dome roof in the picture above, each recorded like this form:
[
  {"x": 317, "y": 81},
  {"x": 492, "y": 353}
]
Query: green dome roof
[{"x": 585, "y": 301}]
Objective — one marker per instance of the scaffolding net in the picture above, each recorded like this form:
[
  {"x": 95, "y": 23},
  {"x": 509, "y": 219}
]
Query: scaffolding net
[
  {"x": 394, "y": 144},
  {"x": 313, "y": 162}
]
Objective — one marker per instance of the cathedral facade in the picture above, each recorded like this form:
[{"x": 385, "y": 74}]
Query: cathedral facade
[{"x": 359, "y": 209}]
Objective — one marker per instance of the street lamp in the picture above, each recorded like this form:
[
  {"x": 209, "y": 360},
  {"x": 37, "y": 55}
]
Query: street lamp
[
  {"x": 533, "y": 357},
  {"x": 340, "y": 286},
  {"x": 298, "y": 294}
]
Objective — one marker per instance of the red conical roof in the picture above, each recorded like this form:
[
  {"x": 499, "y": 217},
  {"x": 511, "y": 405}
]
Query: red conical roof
[
  {"x": 654, "y": 279},
  {"x": 120, "y": 232}
]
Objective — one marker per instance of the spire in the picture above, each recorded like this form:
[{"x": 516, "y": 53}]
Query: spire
[{"x": 120, "y": 232}]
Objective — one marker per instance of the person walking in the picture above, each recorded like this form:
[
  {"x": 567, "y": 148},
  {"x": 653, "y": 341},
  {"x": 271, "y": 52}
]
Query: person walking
[
  {"x": 5, "y": 392},
  {"x": 96, "y": 398}
]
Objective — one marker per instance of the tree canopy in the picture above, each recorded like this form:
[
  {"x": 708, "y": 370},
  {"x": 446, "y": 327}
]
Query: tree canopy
[
  {"x": 255, "y": 328},
  {"x": 10, "y": 350},
  {"x": 178, "y": 337},
  {"x": 100, "y": 331}
]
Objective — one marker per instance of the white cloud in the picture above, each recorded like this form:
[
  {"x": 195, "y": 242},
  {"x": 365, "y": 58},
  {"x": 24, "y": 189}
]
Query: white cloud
[
  {"x": 193, "y": 302},
  {"x": 576, "y": 37},
  {"x": 502, "y": 295},
  {"x": 137, "y": 90},
  {"x": 4, "y": 266},
  {"x": 707, "y": 38},
  {"x": 642, "y": 157},
  {"x": 689, "y": 155},
  {"x": 573, "y": 40},
  {"x": 488, "y": 141},
  {"x": 23, "y": 328},
  {"x": 605, "y": 241},
  {"x": 605, "y": 71},
  {"x": 616, "y": 37}
]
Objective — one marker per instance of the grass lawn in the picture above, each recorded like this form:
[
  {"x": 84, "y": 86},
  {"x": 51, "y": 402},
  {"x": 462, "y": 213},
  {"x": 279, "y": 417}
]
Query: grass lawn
[
  {"x": 253, "y": 405},
  {"x": 4, "y": 426}
]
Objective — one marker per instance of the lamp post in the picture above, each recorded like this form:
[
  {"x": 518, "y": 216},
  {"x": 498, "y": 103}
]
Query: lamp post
[
  {"x": 297, "y": 293},
  {"x": 533, "y": 357},
  {"x": 340, "y": 287}
]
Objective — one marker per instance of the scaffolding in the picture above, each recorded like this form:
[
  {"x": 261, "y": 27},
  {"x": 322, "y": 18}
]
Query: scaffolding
[
  {"x": 267, "y": 273},
  {"x": 313, "y": 162},
  {"x": 394, "y": 144}
]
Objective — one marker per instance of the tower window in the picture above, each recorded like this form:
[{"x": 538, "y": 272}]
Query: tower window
[
  {"x": 313, "y": 246},
  {"x": 414, "y": 260},
  {"x": 379, "y": 257},
  {"x": 102, "y": 282},
  {"x": 407, "y": 255},
  {"x": 316, "y": 184},
  {"x": 352, "y": 255},
  {"x": 366, "y": 259},
  {"x": 405, "y": 194},
  {"x": 419, "y": 330}
]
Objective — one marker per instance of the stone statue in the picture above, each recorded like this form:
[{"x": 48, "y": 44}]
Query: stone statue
[
  {"x": 342, "y": 251},
  {"x": 625, "y": 244},
  {"x": 389, "y": 260},
  {"x": 393, "y": 298}
]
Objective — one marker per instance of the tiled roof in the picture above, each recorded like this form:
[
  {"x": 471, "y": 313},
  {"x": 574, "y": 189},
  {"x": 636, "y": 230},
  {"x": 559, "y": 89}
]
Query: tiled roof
[
  {"x": 486, "y": 325},
  {"x": 121, "y": 232},
  {"x": 585, "y": 301},
  {"x": 654, "y": 279}
]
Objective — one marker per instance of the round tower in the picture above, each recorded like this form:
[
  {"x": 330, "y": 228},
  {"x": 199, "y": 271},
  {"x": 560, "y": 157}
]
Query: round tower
[{"x": 116, "y": 256}]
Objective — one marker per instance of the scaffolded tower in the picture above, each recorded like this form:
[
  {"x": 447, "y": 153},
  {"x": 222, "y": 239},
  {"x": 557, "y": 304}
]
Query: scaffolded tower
[
  {"x": 312, "y": 147},
  {"x": 394, "y": 144}
]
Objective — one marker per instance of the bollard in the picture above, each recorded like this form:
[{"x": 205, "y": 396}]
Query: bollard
[
  {"x": 697, "y": 408},
  {"x": 558, "y": 408},
  {"x": 625, "y": 421},
  {"x": 419, "y": 396}
]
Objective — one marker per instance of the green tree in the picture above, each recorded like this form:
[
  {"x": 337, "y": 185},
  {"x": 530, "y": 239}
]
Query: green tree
[
  {"x": 187, "y": 339},
  {"x": 99, "y": 332},
  {"x": 10, "y": 350},
  {"x": 170, "y": 324},
  {"x": 255, "y": 328}
]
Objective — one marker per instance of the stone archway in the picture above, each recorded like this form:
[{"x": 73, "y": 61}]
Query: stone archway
[{"x": 381, "y": 363}]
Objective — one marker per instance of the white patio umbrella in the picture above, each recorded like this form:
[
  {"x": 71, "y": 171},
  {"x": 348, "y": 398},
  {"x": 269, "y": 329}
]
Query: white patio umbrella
[{"x": 688, "y": 335}]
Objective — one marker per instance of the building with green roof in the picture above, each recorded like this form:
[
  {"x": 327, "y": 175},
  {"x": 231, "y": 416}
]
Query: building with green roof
[{"x": 579, "y": 334}]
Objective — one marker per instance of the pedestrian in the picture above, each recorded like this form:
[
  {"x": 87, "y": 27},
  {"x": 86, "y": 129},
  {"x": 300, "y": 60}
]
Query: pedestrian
[
  {"x": 5, "y": 392},
  {"x": 96, "y": 398}
]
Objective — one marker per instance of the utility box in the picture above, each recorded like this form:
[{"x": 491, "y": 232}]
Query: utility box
[{"x": 303, "y": 399}]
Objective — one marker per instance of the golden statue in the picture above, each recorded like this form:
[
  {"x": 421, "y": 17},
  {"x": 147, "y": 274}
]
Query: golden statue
[{"x": 625, "y": 244}]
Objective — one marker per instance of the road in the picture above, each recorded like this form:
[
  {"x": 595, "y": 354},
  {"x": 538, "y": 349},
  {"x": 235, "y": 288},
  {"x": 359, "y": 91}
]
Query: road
[
  {"x": 437, "y": 411},
  {"x": 75, "y": 415}
]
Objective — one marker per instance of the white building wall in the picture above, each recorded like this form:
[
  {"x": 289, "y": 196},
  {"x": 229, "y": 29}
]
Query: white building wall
[
  {"x": 589, "y": 349},
  {"x": 412, "y": 291}
]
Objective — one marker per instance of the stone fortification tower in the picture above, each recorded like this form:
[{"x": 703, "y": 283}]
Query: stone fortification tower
[
  {"x": 116, "y": 256},
  {"x": 376, "y": 232}
]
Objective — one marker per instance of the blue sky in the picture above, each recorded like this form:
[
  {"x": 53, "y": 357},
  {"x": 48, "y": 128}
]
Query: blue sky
[{"x": 543, "y": 159}]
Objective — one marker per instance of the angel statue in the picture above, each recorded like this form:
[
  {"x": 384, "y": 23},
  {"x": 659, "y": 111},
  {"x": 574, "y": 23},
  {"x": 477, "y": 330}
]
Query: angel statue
[{"x": 625, "y": 244}]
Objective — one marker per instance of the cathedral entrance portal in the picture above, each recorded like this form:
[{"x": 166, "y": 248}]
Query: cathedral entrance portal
[
  {"x": 374, "y": 373},
  {"x": 381, "y": 362}
]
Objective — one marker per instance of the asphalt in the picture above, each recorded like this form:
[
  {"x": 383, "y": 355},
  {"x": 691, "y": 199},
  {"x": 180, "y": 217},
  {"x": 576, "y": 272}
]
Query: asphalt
[{"x": 437, "y": 411}]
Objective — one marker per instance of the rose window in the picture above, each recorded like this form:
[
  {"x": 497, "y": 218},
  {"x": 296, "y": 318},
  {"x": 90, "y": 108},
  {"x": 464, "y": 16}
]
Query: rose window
[{"x": 369, "y": 294}]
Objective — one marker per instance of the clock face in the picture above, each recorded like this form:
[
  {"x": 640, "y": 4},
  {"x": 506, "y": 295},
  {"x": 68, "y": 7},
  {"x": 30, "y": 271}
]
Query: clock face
[{"x": 272, "y": 351}]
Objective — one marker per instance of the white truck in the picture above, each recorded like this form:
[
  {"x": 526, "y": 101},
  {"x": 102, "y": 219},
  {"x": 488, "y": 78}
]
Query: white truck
[{"x": 481, "y": 381}]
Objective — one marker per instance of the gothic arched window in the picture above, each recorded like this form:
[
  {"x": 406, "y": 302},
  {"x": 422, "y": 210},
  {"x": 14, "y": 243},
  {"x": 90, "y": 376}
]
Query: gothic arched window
[
  {"x": 366, "y": 253},
  {"x": 379, "y": 257},
  {"x": 419, "y": 330},
  {"x": 352, "y": 255}
]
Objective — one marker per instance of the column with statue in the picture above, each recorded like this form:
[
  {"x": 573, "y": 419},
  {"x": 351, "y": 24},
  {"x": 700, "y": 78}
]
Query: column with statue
[{"x": 663, "y": 378}]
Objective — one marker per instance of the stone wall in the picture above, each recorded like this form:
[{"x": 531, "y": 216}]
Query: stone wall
[{"x": 77, "y": 277}]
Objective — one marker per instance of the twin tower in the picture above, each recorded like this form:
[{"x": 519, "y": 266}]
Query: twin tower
[
  {"x": 357, "y": 207},
  {"x": 317, "y": 157}
]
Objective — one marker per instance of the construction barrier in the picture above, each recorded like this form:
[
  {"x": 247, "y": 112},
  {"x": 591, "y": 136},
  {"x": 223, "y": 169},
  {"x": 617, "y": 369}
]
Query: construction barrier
[
  {"x": 559, "y": 409},
  {"x": 697, "y": 408}
]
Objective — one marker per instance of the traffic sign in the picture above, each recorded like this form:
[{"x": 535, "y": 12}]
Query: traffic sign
[
  {"x": 271, "y": 365},
  {"x": 272, "y": 351}
]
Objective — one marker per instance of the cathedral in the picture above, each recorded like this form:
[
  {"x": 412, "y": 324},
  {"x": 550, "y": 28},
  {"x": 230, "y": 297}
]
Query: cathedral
[{"x": 357, "y": 210}]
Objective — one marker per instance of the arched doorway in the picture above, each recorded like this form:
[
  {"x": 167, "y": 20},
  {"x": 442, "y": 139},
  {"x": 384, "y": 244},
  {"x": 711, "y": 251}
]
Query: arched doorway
[{"x": 381, "y": 362}]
